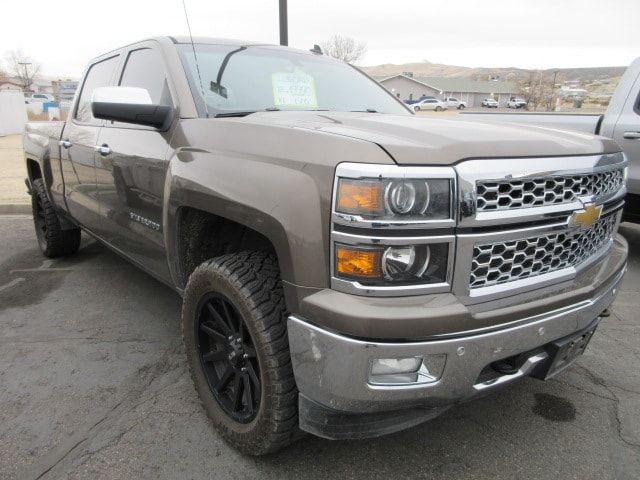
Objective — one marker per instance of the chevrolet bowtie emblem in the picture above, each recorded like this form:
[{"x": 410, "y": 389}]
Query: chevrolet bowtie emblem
[{"x": 587, "y": 217}]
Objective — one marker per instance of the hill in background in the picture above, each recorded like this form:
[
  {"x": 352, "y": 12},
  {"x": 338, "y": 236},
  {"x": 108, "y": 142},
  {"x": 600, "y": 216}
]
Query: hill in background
[{"x": 427, "y": 69}]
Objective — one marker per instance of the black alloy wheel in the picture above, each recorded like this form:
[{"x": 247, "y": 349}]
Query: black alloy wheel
[{"x": 228, "y": 357}]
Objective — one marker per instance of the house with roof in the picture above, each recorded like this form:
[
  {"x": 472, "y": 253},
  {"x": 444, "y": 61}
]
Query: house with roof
[
  {"x": 7, "y": 83},
  {"x": 408, "y": 87}
]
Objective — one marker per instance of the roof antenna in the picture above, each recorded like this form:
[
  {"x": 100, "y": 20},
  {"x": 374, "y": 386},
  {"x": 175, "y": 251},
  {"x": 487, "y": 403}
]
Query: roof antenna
[
  {"x": 316, "y": 49},
  {"x": 195, "y": 57}
]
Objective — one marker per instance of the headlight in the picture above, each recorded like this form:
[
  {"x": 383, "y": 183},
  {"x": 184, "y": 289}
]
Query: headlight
[
  {"x": 393, "y": 265},
  {"x": 395, "y": 199},
  {"x": 393, "y": 229}
]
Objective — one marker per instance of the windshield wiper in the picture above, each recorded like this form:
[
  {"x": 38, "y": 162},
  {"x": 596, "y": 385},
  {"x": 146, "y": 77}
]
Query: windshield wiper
[
  {"x": 244, "y": 113},
  {"x": 233, "y": 114}
]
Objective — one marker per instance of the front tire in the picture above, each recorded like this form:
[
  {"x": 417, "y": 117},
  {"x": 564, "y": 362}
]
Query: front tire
[
  {"x": 438, "y": 109},
  {"x": 234, "y": 330},
  {"x": 52, "y": 239},
  {"x": 416, "y": 109}
]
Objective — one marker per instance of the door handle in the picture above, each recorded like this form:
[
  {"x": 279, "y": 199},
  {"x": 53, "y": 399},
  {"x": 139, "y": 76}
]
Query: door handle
[
  {"x": 65, "y": 143},
  {"x": 103, "y": 149},
  {"x": 631, "y": 135}
]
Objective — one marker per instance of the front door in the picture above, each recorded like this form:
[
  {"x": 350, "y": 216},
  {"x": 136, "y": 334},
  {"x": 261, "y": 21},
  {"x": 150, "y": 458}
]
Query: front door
[
  {"x": 131, "y": 169},
  {"x": 77, "y": 147}
]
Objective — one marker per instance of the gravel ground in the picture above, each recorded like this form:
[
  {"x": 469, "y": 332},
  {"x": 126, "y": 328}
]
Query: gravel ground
[{"x": 94, "y": 385}]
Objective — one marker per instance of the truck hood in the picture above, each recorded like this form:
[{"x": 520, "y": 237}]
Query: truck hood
[{"x": 411, "y": 139}]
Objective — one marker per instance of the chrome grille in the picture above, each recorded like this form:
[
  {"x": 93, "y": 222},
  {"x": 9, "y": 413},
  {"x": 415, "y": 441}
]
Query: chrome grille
[
  {"x": 543, "y": 191},
  {"x": 503, "y": 262}
]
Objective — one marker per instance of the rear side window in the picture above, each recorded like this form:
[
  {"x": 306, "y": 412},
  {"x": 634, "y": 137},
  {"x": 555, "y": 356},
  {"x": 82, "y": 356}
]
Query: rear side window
[
  {"x": 144, "y": 69},
  {"x": 99, "y": 75}
]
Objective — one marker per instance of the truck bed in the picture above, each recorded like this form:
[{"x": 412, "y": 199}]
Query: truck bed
[{"x": 582, "y": 122}]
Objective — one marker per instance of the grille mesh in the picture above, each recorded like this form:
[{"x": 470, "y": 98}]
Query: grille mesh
[
  {"x": 543, "y": 191},
  {"x": 504, "y": 262}
]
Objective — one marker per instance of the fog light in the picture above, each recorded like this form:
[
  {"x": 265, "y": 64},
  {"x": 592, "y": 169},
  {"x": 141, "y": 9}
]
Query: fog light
[
  {"x": 382, "y": 366},
  {"x": 406, "y": 371}
]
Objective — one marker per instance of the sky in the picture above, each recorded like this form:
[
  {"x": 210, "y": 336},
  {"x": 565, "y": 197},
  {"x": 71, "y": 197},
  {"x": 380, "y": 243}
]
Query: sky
[{"x": 63, "y": 36}]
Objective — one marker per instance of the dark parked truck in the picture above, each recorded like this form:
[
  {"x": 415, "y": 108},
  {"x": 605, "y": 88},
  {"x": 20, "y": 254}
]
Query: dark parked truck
[{"x": 347, "y": 269}]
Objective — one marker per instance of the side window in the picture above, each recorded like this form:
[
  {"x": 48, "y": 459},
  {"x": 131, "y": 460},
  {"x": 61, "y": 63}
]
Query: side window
[
  {"x": 144, "y": 69},
  {"x": 99, "y": 75}
]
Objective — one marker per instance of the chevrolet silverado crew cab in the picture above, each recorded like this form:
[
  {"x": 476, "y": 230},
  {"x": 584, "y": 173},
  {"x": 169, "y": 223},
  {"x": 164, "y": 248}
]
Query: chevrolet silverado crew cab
[{"x": 347, "y": 268}]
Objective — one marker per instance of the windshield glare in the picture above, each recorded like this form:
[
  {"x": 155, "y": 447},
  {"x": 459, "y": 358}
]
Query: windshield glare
[{"x": 250, "y": 79}]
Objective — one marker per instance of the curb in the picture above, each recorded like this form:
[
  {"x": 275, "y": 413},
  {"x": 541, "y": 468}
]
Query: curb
[{"x": 15, "y": 209}]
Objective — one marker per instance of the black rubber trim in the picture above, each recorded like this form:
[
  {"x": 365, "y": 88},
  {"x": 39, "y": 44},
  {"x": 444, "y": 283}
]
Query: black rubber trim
[{"x": 336, "y": 425}]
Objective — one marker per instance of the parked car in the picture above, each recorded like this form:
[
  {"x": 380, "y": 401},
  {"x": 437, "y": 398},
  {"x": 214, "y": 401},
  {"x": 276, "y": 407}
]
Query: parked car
[
  {"x": 516, "y": 103},
  {"x": 40, "y": 98},
  {"x": 621, "y": 122},
  {"x": 281, "y": 217},
  {"x": 451, "y": 102},
  {"x": 429, "y": 104},
  {"x": 490, "y": 103}
]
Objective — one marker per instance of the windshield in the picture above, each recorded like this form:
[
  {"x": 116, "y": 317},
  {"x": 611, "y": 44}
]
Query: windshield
[{"x": 249, "y": 79}]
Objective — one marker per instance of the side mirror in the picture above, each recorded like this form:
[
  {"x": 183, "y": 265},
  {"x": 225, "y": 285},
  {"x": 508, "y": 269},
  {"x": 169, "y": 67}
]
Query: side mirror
[{"x": 130, "y": 105}]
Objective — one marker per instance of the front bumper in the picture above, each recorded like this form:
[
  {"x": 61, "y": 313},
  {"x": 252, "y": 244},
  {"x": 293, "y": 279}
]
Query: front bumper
[{"x": 332, "y": 370}]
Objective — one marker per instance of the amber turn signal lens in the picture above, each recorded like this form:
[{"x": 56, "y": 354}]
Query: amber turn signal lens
[
  {"x": 352, "y": 262},
  {"x": 360, "y": 197}
]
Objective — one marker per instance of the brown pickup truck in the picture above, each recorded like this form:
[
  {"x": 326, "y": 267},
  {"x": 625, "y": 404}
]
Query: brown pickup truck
[{"x": 347, "y": 268}]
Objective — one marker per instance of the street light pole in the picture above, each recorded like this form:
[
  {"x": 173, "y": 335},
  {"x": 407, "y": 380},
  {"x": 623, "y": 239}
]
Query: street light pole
[{"x": 284, "y": 27}]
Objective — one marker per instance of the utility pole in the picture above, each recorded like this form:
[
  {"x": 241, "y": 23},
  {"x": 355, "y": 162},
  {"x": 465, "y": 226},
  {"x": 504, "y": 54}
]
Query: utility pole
[
  {"x": 284, "y": 27},
  {"x": 553, "y": 89},
  {"x": 27, "y": 83}
]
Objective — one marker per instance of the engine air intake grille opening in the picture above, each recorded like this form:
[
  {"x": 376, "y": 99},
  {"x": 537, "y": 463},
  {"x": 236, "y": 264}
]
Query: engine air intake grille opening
[
  {"x": 507, "y": 261},
  {"x": 539, "y": 192}
]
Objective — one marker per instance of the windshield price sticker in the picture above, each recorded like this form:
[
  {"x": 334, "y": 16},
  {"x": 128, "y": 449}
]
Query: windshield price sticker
[{"x": 294, "y": 90}]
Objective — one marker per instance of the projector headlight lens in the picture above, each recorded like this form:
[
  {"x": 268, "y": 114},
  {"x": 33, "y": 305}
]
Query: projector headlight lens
[
  {"x": 395, "y": 199},
  {"x": 393, "y": 265}
]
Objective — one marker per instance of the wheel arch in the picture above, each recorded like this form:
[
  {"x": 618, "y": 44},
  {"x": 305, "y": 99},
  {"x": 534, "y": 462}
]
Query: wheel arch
[{"x": 253, "y": 212}]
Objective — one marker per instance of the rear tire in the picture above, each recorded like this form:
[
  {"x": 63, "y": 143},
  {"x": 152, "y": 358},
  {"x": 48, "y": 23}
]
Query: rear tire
[
  {"x": 438, "y": 109},
  {"x": 52, "y": 239},
  {"x": 244, "y": 344}
]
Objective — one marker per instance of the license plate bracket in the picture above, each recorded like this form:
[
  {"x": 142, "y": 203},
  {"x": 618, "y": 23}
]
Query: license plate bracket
[{"x": 563, "y": 352}]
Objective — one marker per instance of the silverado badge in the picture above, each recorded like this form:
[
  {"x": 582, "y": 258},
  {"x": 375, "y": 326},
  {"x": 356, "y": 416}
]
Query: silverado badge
[{"x": 587, "y": 217}]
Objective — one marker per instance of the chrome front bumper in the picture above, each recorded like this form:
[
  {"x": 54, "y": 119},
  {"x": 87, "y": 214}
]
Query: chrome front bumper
[{"x": 332, "y": 370}]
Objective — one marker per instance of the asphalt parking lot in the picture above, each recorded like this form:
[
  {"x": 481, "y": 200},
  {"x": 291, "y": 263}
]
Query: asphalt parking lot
[{"x": 94, "y": 385}]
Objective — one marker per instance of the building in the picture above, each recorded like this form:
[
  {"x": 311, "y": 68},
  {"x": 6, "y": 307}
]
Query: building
[
  {"x": 409, "y": 87},
  {"x": 64, "y": 90},
  {"x": 573, "y": 92},
  {"x": 42, "y": 85},
  {"x": 7, "y": 83}
]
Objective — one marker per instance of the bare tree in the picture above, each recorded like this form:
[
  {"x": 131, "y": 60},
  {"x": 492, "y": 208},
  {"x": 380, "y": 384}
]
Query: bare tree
[
  {"x": 344, "y": 48},
  {"x": 22, "y": 67}
]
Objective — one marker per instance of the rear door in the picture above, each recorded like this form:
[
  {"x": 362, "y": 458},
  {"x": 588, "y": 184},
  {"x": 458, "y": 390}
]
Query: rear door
[
  {"x": 79, "y": 139},
  {"x": 627, "y": 134},
  {"x": 131, "y": 176}
]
